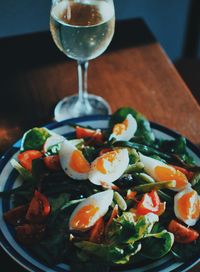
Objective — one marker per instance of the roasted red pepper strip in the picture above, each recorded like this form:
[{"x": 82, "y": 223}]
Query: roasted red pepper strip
[{"x": 181, "y": 233}]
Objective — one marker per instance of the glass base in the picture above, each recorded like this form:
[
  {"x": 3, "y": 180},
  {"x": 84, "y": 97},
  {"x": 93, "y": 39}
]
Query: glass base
[{"x": 70, "y": 107}]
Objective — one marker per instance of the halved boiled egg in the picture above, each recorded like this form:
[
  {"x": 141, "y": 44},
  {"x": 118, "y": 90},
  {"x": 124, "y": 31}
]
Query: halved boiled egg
[
  {"x": 124, "y": 131},
  {"x": 90, "y": 210},
  {"x": 73, "y": 162},
  {"x": 187, "y": 206},
  {"x": 160, "y": 171},
  {"x": 109, "y": 167}
]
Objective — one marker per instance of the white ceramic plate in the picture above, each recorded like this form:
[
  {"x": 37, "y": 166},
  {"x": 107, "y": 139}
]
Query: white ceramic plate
[{"x": 9, "y": 179}]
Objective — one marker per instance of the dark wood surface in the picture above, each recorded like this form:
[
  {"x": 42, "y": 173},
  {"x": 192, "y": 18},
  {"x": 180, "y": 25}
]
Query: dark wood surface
[{"x": 134, "y": 72}]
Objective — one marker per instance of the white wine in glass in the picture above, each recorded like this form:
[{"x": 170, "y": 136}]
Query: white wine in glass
[{"x": 82, "y": 30}]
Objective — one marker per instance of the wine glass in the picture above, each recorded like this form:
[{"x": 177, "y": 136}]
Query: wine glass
[{"x": 82, "y": 30}]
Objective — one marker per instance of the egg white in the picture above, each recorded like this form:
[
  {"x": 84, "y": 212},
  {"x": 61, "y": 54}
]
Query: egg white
[
  {"x": 150, "y": 164},
  {"x": 55, "y": 139},
  {"x": 100, "y": 200},
  {"x": 189, "y": 221},
  {"x": 65, "y": 153},
  {"x": 114, "y": 169},
  {"x": 129, "y": 132}
]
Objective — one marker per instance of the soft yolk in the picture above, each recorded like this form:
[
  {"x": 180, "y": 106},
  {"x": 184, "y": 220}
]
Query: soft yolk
[
  {"x": 78, "y": 163},
  {"x": 164, "y": 174},
  {"x": 188, "y": 206},
  {"x": 110, "y": 156},
  {"x": 83, "y": 217},
  {"x": 121, "y": 127}
]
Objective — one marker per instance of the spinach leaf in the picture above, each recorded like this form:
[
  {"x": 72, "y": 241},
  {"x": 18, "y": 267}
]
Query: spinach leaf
[
  {"x": 90, "y": 153},
  {"x": 52, "y": 249},
  {"x": 143, "y": 130},
  {"x": 178, "y": 147},
  {"x": 110, "y": 254},
  {"x": 34, "y": 139},
  {"x": 156, "y": 245},
  {"x": 125, "y": 230},
  {"x": 144, "y": 225},
  {"x": 195, "y": 181}
]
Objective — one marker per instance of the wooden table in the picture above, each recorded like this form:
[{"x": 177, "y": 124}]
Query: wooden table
[{"x": 134, "y": 72}]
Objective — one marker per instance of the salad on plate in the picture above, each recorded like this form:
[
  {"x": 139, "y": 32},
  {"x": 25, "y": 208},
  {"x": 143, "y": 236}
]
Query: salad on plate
[{"x": 105, "y": 198}]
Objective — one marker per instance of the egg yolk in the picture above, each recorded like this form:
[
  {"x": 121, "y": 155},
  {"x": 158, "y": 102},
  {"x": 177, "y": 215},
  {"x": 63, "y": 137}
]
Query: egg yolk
[
  {"x": 121, "y": 127},
  {"x": 78, "y": 163},
  {"x": 83, "y": 217},
  {"x": 188, "y": 206},
  {"x": 110, "y": 157},
  {"x": 164, "y": 174}
]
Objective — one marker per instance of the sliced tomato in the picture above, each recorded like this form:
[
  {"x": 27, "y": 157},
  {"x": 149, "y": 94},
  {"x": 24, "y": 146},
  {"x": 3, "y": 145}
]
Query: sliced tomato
[
  {"x": 181, "y": 233},
  {"x": 189, "y": 174},
  {"x": 29, "y": 234},
  {"x": 95, "y": 135},
  {"x": 25, "y": 158},
  {"x": 52, "y": 162},
  {"x": 96, "y": 233},
  {"x": 114, "y": 214},
  {"x": 16, "y": 216},
  {"x": 39, "y": 208},
  {"x": 149, "y": 203}
]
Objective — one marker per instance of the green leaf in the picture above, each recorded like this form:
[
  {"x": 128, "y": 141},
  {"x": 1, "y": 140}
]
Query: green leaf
[
  {"x": 122, "y": 229},
  {"x": 177, "y": 147},
  {"x": 108, "y": 253},
  {"x": 143, "y": 129},
  {"x": 157, "y": 244},
  {"x": 195, "y": 181},
  {"x": 53, "y": 249},
  {"x": 58, "y": 202},
  {"x": 125, "y": 230},
  {"x": 145, "y": 224},
  {"x": 34, "y": 139}
]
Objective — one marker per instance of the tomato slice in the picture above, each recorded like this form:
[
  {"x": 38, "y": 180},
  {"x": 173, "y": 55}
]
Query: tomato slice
[
  {"x": 181, "y": 233},
  {"x": 114, "y": 214},
  {"x": 39, "y": 208},
  {"x": 52, "y": 162},
  {"x": 149, "y": 203},
  {"x": 25, "y": 158},
  {"x": 29, "y": 234},
  {"x": 97, "y": 231},
  {"x": 95, "y": 135},
  {"x": 16, "y": 216}
]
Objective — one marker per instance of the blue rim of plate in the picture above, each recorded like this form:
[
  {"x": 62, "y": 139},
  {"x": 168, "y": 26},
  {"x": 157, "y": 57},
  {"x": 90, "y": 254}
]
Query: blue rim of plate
[{"x": 7, "y": 155}]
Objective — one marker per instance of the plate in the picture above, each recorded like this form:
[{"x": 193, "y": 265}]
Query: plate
[{"x": 9, "y": 179}]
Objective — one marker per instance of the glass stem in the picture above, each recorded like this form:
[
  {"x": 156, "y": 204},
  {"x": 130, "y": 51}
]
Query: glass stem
[{"x": 82, "y": 84}]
